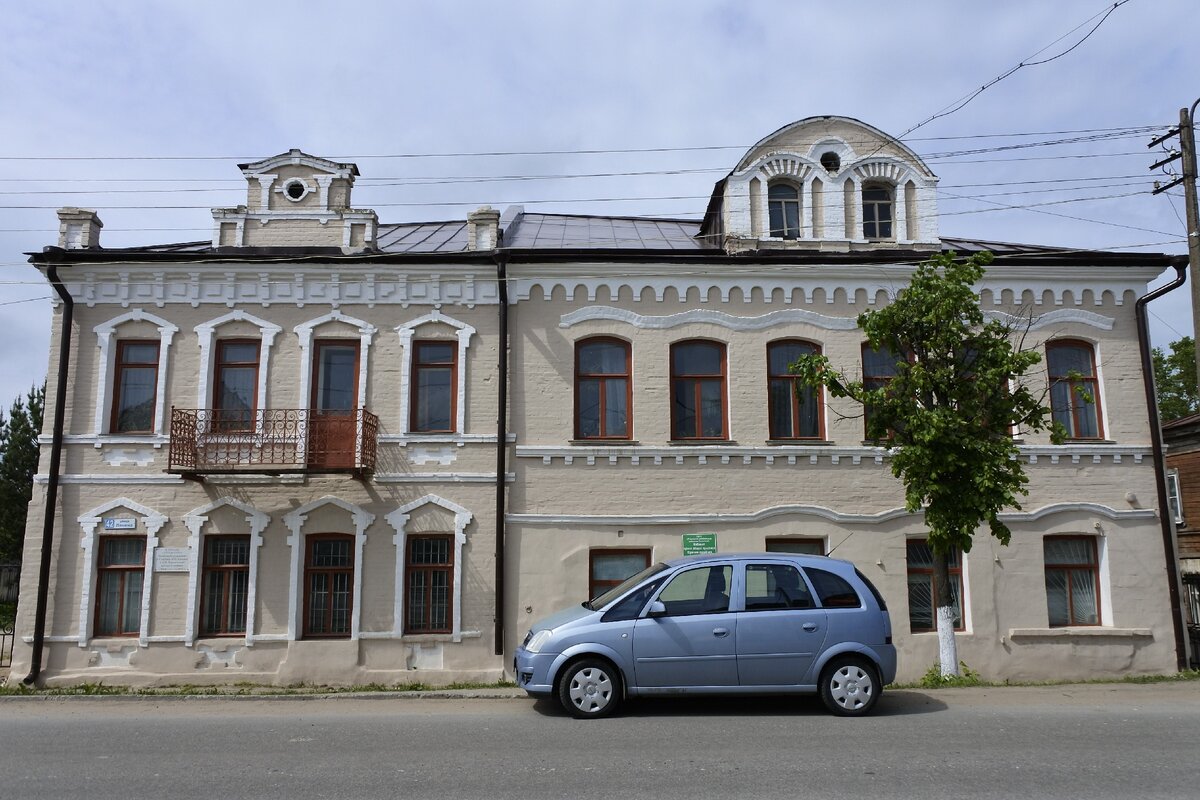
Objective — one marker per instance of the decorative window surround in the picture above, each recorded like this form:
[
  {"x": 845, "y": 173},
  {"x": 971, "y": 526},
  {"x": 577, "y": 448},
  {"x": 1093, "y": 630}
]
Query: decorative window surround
[
  {"x": 114, "y": 479},
  {"x": 581, "y": 522},
  {"x": 441, "y": 477},
  {"x": 464, "y": 332},
  {"x": 194, "y": 520},
  {"x": 398, "y": 519},
  {"x": 1080, "y": 632},
  {"x": 366, "y": 332},
  {"x": 152, "y": 522},
  {"x": 794, "y": 454},
  {"x": 104, "y": 382},
  {"x": 295, "y": 520},
  {"x": 206, "y": 332}
]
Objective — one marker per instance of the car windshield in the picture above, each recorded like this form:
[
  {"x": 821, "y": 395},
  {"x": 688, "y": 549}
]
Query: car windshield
[{"x": 601, "y": 600}]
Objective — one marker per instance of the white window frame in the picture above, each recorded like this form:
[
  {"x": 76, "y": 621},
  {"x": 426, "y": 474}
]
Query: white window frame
[
  {"x": 205, "y": 335},
  {"x": 105, "y": 385},
  {"x": 195, "y": 520},
  {"x": 1174, "y": 496},
  {"x": 398, "y": 519}
]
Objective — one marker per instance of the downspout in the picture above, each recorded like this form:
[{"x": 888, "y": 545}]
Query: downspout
[
  {"x": 501, "y": 259},
  {"x": 60, "y": 403},
  {"x": 1160, "y": 470}
]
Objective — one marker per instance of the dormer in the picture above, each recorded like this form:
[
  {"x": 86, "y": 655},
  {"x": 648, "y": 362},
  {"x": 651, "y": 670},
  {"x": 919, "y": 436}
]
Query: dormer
[
  {"x": 825, "y": 183},
  {"x": 296, "y": 200}
]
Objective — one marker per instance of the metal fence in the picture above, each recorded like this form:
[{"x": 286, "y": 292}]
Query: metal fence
[{"x": 10, "y": 578}]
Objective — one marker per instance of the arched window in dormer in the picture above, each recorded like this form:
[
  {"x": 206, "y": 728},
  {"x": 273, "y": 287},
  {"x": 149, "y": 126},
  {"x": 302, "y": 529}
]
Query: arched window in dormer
[
  {"x": 877, "y": 205},
  {"x": 783, "y": 205}
]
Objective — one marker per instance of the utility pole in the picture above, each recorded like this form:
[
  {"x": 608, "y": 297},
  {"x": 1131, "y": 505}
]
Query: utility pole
[{"x": 1187, "y": 154}]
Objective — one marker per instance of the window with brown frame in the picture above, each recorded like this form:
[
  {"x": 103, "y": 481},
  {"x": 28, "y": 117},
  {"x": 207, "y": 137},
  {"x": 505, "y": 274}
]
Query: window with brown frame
[
  {"x": 603, "y": 389},
  {"x": 135, "y": 386},
  {"x": 1072, "y": 580},
  {"x": 235, "y": 384},
  {"x": 608, "y": 567},
  {"x": 120, "y": 568},
  {"x": 879, "y": 368},
  {"x": 698, "y": 390},
  {"x": 328, "y": 585},
  {"x": 225, "y": 586},
  {"x": 797, "y": 544},
  {"x": 794, "y": 406},
  {"x": 783, "y": 210},
  {"x": 1074, "y": 389},
  {"x": 923, "y": 588},
  {"x": 428, "y": 584},
  {"x": 434, "y": 386},
  {"x": 877, "y": 203}
]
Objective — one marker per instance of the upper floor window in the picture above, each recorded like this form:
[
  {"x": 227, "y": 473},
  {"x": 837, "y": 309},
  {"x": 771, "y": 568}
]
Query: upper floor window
[
  {"x": 783, "y": 205},
  {"x": 1174, "y": 500},
  {"x": 136, "y": 386},
  {"x": 698, "y": 390},
  {"x": 877, "y": 201},
  {"x": 603, "y": 389},
  {"x": 434, "y": 373},
  {"x": 795, "y": 412},
  {"x": 120, "y": 572},
  {"x": 235, "y": 385},
  {"x": 880, "y": 366},
  {"x": 1074, "y": 390}
]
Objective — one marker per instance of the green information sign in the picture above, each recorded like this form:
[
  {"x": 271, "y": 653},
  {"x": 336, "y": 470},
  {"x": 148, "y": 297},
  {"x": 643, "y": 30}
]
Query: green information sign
[{"x": 698, "y": 544}]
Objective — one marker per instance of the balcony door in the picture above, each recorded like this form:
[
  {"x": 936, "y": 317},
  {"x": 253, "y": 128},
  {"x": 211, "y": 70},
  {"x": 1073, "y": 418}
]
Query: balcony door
[{"x": 332, "y": 429}]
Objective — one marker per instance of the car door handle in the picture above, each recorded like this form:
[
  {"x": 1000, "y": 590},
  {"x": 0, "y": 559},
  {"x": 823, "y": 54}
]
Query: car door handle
[
  {"x": 719, "y": 632},
  {"x": 809, "y": 626}
]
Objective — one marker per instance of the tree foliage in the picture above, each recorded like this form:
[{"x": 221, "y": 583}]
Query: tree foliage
[
  {"x": 18, "y": 463},
  {"x": 1175, "y": 380}
]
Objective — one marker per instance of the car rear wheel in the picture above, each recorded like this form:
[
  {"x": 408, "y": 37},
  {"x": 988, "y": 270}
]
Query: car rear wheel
[
  {"x": 589, "y": 689},
  {"x": 850, "y": 686}
]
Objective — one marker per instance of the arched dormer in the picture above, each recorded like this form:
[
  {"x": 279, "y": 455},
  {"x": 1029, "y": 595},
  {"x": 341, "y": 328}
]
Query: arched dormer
[{"x": 855, "y": 186}]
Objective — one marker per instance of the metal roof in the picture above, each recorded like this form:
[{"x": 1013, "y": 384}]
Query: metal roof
[{"x": 569, "y": 231}]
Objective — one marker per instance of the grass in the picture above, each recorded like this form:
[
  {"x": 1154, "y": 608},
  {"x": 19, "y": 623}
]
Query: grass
[{"x": 933, "y": 679}]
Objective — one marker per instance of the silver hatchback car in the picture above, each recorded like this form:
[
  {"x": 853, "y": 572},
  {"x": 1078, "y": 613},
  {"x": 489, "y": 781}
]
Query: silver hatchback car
[{"x": 753, "y": 623}]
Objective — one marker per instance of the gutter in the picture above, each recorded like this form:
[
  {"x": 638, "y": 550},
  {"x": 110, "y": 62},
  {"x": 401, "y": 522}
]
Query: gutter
[
  {"x": 501, "y": 260},
  {"x": 60, "y": 406},
  {"x": 1160, "y": 468}
]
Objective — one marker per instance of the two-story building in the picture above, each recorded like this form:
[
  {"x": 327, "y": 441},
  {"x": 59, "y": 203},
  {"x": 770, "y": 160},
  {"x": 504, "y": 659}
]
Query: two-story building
[{"x": 324, "y": 448}]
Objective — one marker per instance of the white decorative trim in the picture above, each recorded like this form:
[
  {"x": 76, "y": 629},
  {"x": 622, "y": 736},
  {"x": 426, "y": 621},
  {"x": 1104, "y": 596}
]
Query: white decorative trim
[
  {"x": 153, "y": 522},
  {"x": 1062, "y": 316},
  {"x": 1082, "y": 508},
  {"x": 282, "y": 189},
  {"x": 407, "y": 333},
  {"x": 103, "y": 439},
  {"x": 398, "y": 519},
  {"x": 113, "y": 479},
  {"x": 104, "y": 388},
  {"x": 460, "y": 439},
  {"x": 206, "y": 331},
  {"x": 294, "y": 520},
  {"x": 194, "y": 520},
  {"x": 702, "y": 315}
]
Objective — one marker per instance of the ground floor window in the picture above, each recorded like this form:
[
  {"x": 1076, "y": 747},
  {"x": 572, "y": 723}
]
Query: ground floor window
[
  {"x": 608, "y": 567},
  {"x": 923, "y": 588},
  {"x": 1072, "y": 580},
  {"x": 797, "y": 544},
  {"x": 226, "y": 585},
  {"x": 428, "y": 584},
  {"x": 121, "y": 569},
  {"x": 328, "y": 582}
]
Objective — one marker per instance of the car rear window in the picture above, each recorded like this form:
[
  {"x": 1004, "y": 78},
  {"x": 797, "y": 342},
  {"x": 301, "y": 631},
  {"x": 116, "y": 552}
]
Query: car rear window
[
  {"x": 833, "y": 590},
  {"x": 867, "y": 582}
]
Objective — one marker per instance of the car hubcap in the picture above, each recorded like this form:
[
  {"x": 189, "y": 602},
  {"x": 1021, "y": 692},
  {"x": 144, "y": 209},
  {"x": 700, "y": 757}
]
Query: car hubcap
[
  {"x": 590, "y": 690},
  {"x": 851, "y": 687}
]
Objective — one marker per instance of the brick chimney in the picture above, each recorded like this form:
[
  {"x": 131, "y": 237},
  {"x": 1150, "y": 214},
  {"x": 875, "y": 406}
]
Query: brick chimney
[
  {"x": 78, "y": 228},
  {"x": 483, "y": 229}
]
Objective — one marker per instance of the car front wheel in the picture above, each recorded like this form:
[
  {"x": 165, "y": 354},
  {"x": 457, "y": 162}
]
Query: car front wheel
[
  {"x": 589, "y": 689},
  {"x": 850, "y": 686}
]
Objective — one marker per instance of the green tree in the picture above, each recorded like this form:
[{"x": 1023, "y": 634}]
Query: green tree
[
  {"x": 1175, "y": 380},
  {"x": 948, "y": 414},
  {"x": 18, "y": 464}
]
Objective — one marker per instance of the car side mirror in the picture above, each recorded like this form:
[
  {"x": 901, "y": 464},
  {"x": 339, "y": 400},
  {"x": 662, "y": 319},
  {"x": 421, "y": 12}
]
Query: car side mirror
[{"x": 656, "y": 609}]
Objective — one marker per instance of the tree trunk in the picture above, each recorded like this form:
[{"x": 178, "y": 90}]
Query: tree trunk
[{"x": 944, "y": 602}]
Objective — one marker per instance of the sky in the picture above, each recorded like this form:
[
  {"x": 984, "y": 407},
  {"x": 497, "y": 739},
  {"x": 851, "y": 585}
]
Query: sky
[{"x": 142, "y": 111}]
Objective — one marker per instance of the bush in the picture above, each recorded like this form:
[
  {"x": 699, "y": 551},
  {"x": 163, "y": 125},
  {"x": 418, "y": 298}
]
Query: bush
[{"x": 934, "y": 679}]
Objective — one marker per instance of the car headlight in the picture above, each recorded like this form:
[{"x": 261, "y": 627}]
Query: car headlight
[{"x": 537, "y": 641}]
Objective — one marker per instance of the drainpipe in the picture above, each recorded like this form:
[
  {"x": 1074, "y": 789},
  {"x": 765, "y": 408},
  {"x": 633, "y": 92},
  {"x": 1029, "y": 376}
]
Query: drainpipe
[
  {"x": 1160, "y": 469},
  {"x": 60, "y": 403},
  {"x": 501, "y": 439}
]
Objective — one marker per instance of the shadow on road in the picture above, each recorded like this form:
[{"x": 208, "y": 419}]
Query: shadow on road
[{"x": 892, "y": 704}]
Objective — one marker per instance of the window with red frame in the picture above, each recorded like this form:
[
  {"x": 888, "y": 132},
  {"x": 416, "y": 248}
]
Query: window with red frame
[
  {"x": 120, "y": 568},
  {"x": 1072, "y": 580},
  {"x": 135, "y": 387},
  {"x": 225, "y": 586},
  {"x": 879, "y": 368},
  {"x": 698, "y": 373},
  {"x": 235, "y": 385},
  {"x": 328, "y": 585},
  {"x": 429, "y": 584},
  {"x": 434, "y": 386},
  {"x": 795, "y": 409},
  {"x": 603, "y": 389},
  {"x": 1074, "y": 389}
]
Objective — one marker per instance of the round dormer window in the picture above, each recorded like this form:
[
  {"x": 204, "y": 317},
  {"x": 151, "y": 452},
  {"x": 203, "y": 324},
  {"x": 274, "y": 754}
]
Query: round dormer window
[
  {"x": 831, "y": 161},
  {"x": 295, "y": 190}
]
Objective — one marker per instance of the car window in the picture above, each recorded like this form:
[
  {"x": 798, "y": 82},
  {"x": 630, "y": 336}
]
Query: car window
[
  {"x": 770, "y": 586},
  {"x": 878, "y": 597},
  {"x": 631, "y": 605},
  {"x": 615, "y": 592},
  {"x": 704, "y": 590},
  {"x": 834, "y": 591}
]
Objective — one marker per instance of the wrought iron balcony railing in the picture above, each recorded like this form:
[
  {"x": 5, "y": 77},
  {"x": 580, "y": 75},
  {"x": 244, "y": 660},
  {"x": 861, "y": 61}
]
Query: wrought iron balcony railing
[{"x": 272, "y": 441}]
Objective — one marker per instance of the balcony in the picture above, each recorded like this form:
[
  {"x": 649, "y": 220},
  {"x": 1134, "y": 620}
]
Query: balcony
[{"x": 274, "y": 441}]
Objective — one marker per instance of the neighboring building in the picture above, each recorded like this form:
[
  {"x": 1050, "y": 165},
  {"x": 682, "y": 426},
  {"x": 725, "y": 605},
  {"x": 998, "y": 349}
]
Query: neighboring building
[
  {"x": 282, "y": 450},
  {"x": 1182, "y": 439}
]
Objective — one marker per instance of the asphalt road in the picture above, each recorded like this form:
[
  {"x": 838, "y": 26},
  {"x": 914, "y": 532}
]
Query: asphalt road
[{"x": 1092, "y": 741}]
